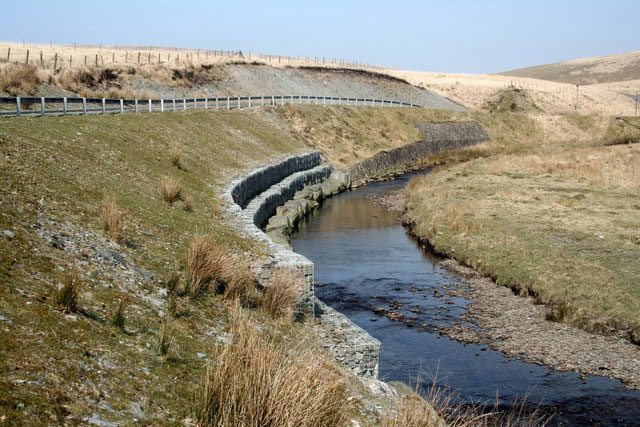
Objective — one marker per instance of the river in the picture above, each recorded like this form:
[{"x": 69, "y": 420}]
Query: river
[{"x": 364, "y": 258}]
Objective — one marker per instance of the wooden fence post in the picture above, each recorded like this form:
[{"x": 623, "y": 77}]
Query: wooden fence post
[
  {"x": 113, "y": 57},
  {"x": 8, "y": 54},
  {"x": 138, "y": 57},
  {"x": 55, "y": 63},
  {"x": 27, "y": 60},
  {"x": 41, "y": 60}
]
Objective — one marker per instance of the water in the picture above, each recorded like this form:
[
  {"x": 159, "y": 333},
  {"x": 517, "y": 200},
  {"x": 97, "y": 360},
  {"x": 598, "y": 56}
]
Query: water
[{"x": 365, "y": 259}]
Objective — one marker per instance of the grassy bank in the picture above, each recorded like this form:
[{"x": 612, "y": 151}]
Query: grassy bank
[
  {"x": 111, "y": 307},
  {"x": 550, "y": 217}
]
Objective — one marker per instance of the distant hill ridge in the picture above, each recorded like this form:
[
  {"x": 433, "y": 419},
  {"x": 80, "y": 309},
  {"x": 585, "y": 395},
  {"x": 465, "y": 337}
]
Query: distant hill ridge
[{"x": 602, "y": 69}]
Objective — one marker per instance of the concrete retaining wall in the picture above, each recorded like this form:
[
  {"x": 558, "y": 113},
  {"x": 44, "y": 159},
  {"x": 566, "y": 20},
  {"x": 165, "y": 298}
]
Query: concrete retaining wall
[{"x": 436, "y": 138}]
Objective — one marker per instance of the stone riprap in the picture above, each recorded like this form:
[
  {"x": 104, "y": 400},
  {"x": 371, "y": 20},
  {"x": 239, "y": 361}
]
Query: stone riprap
[{"x": 436, "y": 138}]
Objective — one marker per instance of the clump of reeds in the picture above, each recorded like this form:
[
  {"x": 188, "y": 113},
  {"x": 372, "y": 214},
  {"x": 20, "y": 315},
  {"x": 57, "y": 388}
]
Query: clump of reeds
[
  {"x": 119, "y": 317},
  {"x": 175, "y": 155},
  {"x": 165, "y": 340},
  {"x": 255, "y": 381},
  {"x": 67, "y": 298},
  {"x": 207, "y": 264},
  {"x": 282, "y": 295},
  {"x": 171, "y": 189},
  {"x": 113, "y": 220},
  {"x": 187, "y": 204},
  {"x": 241, "y": 284}
]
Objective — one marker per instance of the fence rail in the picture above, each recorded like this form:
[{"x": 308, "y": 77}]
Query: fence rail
[{"x": 40, "y": 106}]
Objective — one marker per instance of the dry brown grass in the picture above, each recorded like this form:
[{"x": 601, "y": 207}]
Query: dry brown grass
[
  {"x": 437, "y": 407},
  {"x": 241, "y": 284},
  {"x": 608, "y": 167},
  {"x": 67, "y": 298},
  {"x": 165, "y": 339},
  {"x": 175, "y": 155},
  {"x": 256, "y": 382},
  {"x": 119, "y": 316},
  {"x": 187, "y": 204},
  {"x": 171, "y": 189},
  {"x": 281, "y": 296},
  {"x": 19, "y": 80},
  {"x": 207, "y": 265},
  {"x": 113, "y": 220}
]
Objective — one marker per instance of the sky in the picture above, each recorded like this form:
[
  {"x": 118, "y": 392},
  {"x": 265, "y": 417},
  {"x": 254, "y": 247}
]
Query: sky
[{"x": 464, "y": 36}]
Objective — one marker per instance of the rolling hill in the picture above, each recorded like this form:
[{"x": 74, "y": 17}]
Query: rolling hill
[{"x": 586, "y": 71}]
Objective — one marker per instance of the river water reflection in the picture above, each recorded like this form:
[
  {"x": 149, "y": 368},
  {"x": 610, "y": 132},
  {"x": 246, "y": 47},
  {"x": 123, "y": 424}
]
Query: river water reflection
[{"x": 365, "y": 259}]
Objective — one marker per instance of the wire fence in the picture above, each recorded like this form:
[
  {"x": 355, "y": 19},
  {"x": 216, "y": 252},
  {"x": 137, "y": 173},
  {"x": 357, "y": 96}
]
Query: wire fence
[
  {"x": 56, "y": 58},
  {"x": 41, "y": 106}
]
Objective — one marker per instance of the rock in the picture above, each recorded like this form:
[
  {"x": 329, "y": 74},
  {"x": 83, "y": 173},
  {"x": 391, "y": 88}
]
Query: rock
[
  {"x": 97, "y": 421},
  {"x": 8, "y": 234},
  {"x": 136, "y": 410},
  {"x": 279, "y": 222}
]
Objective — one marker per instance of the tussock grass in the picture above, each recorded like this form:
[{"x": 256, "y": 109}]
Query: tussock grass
[
  {"x": 241, "y": 284},
  {"x": 256, "y": 382},
  {"x": 175, "y": 155},
  {"x": 113, "y": 220},
  {"x": 165, "y": 338},
  {"x": 19, "y": 80},
  {"x": 171, "y": 189},
  {"x": 207, "y": 265},
  {"x": 437, "y": 407},
  {"x": 187, "y": 204},
  {"x": 119, "y": 316},
  {"x": 281, "y": 296},
  {"x": 67, "y": 298}
]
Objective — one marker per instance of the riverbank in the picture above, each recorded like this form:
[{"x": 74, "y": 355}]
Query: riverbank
[{"x": 557, "y": 226}]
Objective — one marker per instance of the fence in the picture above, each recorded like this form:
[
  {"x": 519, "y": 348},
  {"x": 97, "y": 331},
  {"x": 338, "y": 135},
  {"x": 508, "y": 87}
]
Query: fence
[
  {"x": 56, "y": 58},
  {"x": 40, "y": 106}
]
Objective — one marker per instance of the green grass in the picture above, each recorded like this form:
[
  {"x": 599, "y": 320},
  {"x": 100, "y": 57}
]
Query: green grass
[{"x": 561, "y": 225}]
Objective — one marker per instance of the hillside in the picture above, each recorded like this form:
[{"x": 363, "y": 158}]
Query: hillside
[{"x": 586, "y": 71}]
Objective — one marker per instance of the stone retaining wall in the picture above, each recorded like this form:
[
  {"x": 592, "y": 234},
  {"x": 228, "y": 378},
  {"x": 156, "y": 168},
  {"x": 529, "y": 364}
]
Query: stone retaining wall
[
  {"x": 436, "y": 138},
  {"x": 260, "y": 193}
]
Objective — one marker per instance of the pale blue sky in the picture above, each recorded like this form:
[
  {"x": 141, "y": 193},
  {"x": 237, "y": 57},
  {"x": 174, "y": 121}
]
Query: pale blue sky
[{"x": 445, "y": 36}]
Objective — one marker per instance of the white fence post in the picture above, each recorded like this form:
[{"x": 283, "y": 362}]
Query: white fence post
[
  {"x": 174, "y": 104},
  {"x": 18, "y": 106},
  {"x": 122, "y": 106},
  {"x": 103, "y": 106},
  {"x": 84, "y": 105},
  {"x": 238, "y": 102},
  {"x": 206, "y": 103},
  {"x": 228, "y": 103},
  {"x": 273, "y": 100},
  {"x": 64, "y": 106},
  {"x": 42, "y": 105},
  {"x": 217, "y": 105},
  {"x": 150, "y": 106},
  {"x": 184, "y": 104},
  {"x": 249, "y": 101},
  {"x": 135, "y": 105},
  {"x": 162, "y": 105},
  {"x": 195, "y": 103},
  {"x": 262, "y": 101}
]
